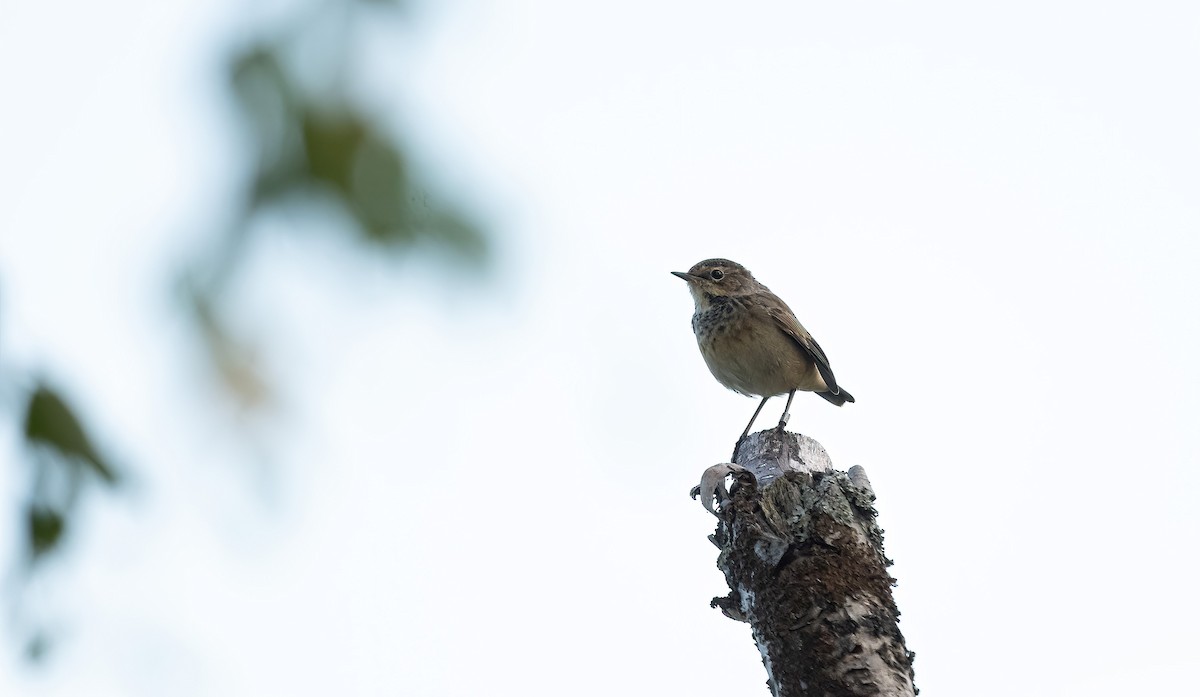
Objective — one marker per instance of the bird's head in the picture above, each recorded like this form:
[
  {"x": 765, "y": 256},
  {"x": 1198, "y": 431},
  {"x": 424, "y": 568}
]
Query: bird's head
[{"x": 714, "y": 278}]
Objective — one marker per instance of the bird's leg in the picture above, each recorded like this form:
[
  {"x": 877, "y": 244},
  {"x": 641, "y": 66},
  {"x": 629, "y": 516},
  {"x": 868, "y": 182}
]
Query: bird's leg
[
  {"x": 786, "y": 413},
  {"x": 747, "y": 431},
  {"x": 752, "y": 418}
]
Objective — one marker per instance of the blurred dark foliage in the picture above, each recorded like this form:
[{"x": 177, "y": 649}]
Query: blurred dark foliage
[
  {"x": 65, "y": 460},
  {"x": 308, "y": 145},
  {"x": 321, "y": 145}
]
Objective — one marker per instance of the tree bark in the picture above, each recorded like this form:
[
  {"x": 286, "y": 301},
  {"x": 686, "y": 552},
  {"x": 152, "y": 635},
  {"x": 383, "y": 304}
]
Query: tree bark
[{"x": 805, "y": 565}]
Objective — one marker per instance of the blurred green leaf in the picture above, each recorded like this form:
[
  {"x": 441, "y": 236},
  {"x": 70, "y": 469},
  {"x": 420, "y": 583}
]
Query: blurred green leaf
[
  {"x": 367, "y": 172},
  {"x": 49, "y": 421},
  {"x": 44, "y": 529},
  {"x": 331, "y": 142},
  {"x": 328, "y": 142},
  {"x": 378, "y": 184},
  {"x": 458, "y": 234},
  {"x": 269, "y": 104}
]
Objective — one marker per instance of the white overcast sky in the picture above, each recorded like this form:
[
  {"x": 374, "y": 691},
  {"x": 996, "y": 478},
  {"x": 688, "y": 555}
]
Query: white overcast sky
[{"x": 987, "y": 214}]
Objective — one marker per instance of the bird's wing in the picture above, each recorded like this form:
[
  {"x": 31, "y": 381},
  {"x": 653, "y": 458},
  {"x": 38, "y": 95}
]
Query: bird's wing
[{"x": 788, "y": 324}]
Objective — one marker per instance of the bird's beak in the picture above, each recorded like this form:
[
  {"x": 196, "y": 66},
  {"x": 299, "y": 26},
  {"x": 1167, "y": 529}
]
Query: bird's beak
[{"x": 683, "y": 274}]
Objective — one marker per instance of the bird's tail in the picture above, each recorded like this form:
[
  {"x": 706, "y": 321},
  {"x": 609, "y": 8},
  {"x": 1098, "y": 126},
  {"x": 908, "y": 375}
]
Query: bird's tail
[{"x": 837, "y": 399}]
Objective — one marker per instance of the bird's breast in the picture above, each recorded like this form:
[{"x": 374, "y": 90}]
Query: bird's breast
[{"x": 748, "y": 353}]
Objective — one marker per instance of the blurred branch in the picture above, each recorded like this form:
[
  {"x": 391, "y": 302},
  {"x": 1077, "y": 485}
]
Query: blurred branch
[
  {"x": 309, "y": 145},
  {"x": 315, "y": 145}
]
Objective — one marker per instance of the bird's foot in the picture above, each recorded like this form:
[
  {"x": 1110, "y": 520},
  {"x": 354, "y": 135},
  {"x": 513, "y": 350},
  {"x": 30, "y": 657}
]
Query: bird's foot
[{"x": 783, "y": 420}]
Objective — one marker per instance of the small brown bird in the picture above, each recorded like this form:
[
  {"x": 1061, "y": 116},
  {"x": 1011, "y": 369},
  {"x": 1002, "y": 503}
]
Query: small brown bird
[{"x": 752, "y": 341}]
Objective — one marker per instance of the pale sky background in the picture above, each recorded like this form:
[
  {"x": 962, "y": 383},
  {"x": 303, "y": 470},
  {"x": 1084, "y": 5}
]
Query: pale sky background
[{"x": 986, "y": 213}]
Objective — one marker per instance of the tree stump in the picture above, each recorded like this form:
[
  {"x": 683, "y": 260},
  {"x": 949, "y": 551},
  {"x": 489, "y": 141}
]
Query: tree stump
[{"x": 806, "y": 569}]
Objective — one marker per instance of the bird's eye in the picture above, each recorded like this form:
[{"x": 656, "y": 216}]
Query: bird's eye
[{"x": 716, "y": 274}]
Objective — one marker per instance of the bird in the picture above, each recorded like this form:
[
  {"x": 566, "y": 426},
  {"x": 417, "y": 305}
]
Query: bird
[{"x": 751, "y": 340}]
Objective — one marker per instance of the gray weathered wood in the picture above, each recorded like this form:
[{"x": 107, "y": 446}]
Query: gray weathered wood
[{"x": 805, "y": 565}]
